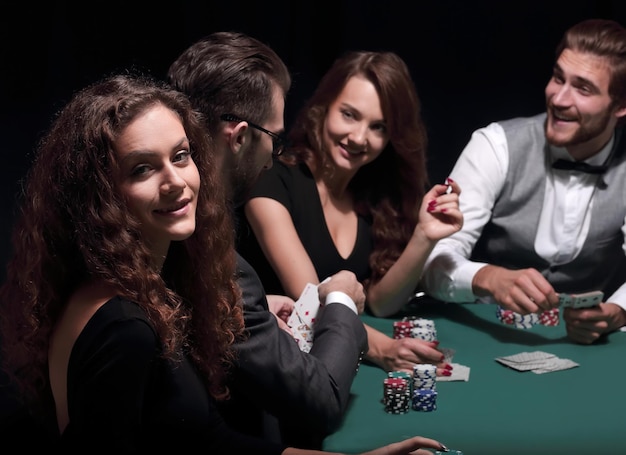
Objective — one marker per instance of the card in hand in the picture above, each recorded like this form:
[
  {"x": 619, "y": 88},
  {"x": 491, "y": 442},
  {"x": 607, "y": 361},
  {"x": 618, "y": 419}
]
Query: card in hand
[
  {"x": 303, "y": 317},
  {"x": 308, "y": 304},
  {"x": 588, "y": 299},
  {"x": 584, "y": 300},
  {"x": 303, "y": 335}
]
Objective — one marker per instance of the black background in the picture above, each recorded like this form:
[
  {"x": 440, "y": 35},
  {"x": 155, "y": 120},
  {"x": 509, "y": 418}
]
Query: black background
[{"x": 473, "y": 62}]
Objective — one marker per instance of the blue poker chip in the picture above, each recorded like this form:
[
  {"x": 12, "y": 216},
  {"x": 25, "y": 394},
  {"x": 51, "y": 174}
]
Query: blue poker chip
[{"x": 424, "y": 400}]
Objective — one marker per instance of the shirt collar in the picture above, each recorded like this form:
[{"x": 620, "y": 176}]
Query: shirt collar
[{"x": 596, "y": 160}]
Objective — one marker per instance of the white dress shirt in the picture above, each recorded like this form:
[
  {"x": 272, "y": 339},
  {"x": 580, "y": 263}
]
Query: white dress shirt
[{"x": 563, "y": 225}]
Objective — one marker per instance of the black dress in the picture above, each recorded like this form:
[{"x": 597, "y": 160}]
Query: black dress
[
  {"x": 123, "y": 397},
  {"x": 294, "y": 187}
]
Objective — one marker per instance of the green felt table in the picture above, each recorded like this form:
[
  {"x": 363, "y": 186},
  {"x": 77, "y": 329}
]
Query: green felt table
[{"x": 499, "y": 410}]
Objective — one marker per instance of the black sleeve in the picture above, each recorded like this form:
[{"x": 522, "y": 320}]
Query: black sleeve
[
  {"x": 274, "y": 183},
  {"x": 309, "y": 388}
]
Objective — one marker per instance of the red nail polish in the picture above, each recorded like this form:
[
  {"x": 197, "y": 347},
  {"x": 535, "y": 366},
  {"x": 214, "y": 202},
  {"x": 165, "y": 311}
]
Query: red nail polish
[
  {"x": 447, "y": 373},
  {"x": 444, "y": 210},
  {"x": 442, "y": 358},
  {"x": 450, "y": 180},
  {"x": 448, "y": 366}
]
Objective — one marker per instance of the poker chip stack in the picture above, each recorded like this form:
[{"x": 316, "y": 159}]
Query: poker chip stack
[
  {"x": 412, "y": 327},
  {"x": 549, "y": 317},
  {"x": 424, "y": 387},
  {"x": 402, "y": 329},
  {"x": 403, "y": 390},
  {"x": 526, "y": 321},
  {"x": 397, "y": 392},
  {"x": 520, "y": 321}
]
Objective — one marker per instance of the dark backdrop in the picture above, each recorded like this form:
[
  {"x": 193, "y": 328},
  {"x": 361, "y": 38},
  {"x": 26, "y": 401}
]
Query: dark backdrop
[{"x": 473, "y": 61}]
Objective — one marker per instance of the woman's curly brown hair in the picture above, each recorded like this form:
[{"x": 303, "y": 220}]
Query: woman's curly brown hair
[
  {"x": 74, "y": 226},
  {"x": 388, "y": 191}
]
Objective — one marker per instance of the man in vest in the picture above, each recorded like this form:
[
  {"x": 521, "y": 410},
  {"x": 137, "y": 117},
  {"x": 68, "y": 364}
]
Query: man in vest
[{"x": 544, "y": 198}]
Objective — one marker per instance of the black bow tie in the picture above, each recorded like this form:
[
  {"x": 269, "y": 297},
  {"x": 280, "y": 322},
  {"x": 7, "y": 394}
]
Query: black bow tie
[{"x": 579, "y": 166}]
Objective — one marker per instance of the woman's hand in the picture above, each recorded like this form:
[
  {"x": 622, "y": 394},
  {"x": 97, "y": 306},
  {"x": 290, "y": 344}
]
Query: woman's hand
[{"x": 440, "y": 215}]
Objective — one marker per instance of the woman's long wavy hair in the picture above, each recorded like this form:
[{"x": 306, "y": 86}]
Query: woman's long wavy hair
[
  {"x": 389, "y": 190},
  {"x": 74, "y": 226}
]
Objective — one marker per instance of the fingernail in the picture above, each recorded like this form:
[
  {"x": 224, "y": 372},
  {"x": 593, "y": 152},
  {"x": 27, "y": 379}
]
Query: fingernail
[
  {"x": 432, "y": 203},
  {"x": 443, "y": 357},
  {"x": 444, "y": 448},
  {"x": 450, "y": 180},
  {"x": 444, "y": 210},
  {"x": 448, "y": 366},
  {"x": 435, "y": 342},
  {"x": 447, "y": 373}
]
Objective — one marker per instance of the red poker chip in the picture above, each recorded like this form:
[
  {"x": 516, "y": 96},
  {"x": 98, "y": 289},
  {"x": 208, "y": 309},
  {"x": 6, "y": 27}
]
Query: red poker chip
[{"x": 549, "y": 317}]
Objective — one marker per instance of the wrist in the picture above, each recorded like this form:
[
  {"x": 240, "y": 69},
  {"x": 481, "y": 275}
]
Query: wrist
[
  {"x": 480, "y": 286},
  {"x": 422, "y": 236},
  {"x": 341, "y": 298}
]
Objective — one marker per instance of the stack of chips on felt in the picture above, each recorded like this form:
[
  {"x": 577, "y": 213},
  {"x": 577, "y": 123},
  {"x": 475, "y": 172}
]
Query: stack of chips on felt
[
  {"x": 403, "y": 391},
  {"x": 526, "y": 321},
  {"x": 424, "y": 387},
  {"x": 397, "y": 392},
  {"x": 411, "y": 327}
]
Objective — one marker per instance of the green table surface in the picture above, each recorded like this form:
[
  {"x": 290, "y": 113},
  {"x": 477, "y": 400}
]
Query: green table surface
[{"x": 499, "y": 410}]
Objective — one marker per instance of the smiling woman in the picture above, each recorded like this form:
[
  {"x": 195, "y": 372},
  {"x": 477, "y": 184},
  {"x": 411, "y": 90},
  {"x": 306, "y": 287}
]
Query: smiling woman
[
  {"x": 158, "y": 177},
  {"x": 350, "y": 193},
  {"x": 121, "y": 306},
  {"x": 111, "y": 281}
]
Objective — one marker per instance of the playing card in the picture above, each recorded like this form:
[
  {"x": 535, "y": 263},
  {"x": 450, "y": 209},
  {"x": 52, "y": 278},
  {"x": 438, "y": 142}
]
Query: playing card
[
  {"x": 565, "y": 300},
  {"x": 294, "y": 320},
  {"x": 459, "y": 373},
  {"x": 303, "y": 335},
  {"x": 303, "y": 316},
  {"x": 308, "y": 304},
  {"x": 526, "y": 357},
  {"x": 556, "y": 364},
  {"x": 587, "y": 299},
  {"x": 584, "y": 300},
  {"x": 538, "y": 362}
]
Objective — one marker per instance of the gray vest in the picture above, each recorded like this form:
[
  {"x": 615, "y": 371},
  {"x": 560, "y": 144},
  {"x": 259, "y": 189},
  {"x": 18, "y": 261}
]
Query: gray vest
[{"x": 508, "y": 238}]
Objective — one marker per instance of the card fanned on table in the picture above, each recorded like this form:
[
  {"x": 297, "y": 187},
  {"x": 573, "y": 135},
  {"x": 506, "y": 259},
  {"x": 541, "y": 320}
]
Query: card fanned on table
[
  {"x": 303, "y": 317},
  {"x": 538, "y": 362}
]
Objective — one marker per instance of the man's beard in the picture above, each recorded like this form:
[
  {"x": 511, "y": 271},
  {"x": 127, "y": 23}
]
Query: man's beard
[{"x": 585, "y": 132}]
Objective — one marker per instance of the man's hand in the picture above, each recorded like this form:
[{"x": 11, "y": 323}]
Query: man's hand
[
  {"x": 586, "y": 325},
  {"x": 523, "y": 291},
  {"x": 281, "y": 306},
  {"x": 346, "y": 282}
]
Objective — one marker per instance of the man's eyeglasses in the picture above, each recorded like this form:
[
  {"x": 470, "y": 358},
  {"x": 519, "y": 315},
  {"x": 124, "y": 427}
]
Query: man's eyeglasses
[{"x": 279, "y": 141}]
